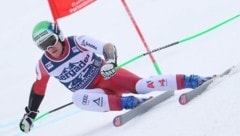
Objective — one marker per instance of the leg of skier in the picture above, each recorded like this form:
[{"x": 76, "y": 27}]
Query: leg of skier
[
  {"x": 169, "y": 82},
  {"x": 110, "y": 99},
  {"x": 98, "y": 100}
]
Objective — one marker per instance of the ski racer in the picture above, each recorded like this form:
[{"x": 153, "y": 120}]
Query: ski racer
[{"x": 87, "y": 67}]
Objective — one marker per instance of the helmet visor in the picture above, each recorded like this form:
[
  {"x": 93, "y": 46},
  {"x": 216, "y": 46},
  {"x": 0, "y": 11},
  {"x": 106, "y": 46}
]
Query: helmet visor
[{"x": 49, "y": 42}]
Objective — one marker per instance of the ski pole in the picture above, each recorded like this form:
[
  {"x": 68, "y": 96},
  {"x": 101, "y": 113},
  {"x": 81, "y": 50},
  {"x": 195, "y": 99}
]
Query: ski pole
[
  {"x": 180, "y": 41},
  {"x": 51, "y": 111}
]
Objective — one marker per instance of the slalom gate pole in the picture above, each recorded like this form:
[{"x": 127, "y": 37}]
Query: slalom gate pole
[
  {"x": 152, "y": 51},
  {"x": 156, "y": 66}
]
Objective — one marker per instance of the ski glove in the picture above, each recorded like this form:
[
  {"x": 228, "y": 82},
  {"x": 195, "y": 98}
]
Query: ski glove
[
  {"x": 27, "y": 121},
  {"x": 108, "y": 70}
]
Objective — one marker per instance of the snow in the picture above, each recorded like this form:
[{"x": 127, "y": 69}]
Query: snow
[{"x": 215, "y": 112}]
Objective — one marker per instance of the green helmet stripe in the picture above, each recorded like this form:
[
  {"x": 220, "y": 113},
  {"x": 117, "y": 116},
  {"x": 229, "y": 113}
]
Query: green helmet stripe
[{"x": 40, "y": 27}]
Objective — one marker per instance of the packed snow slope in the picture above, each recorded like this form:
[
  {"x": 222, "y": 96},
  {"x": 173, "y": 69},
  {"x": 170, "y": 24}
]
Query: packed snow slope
[{"x": 215, "y": 112}]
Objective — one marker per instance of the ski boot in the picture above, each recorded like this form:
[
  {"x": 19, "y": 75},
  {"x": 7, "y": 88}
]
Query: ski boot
[
  {"x": 130, "y": 102},
  {"x": 193, "y": 81}
]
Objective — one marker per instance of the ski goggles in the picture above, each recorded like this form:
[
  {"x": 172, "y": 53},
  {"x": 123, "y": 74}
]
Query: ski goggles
[{"x": 51, "y": 41}]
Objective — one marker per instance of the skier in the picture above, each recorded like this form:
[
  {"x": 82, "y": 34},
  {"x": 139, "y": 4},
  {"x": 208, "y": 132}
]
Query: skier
[{"x": 96, "y": 85}]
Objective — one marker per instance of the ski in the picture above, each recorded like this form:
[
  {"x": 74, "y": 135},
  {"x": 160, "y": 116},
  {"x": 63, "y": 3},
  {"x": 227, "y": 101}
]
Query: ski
[
  {"x": 188, "y": 96},
  {"x": 142, "y": 108}
]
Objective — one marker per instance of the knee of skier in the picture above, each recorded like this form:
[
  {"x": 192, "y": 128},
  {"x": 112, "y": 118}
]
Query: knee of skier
[
  {"x": 91, "y": 100},
  {"x": 141, "y": 86},
  {"x": 156, "y": 83}
]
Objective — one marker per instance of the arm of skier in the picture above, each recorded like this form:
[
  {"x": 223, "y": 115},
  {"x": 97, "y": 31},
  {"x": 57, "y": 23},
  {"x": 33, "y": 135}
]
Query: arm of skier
[
  {"x": 110, "y": 55},
  {"x": 108, "y": 50},
  {"x": 35, "y": 98}
]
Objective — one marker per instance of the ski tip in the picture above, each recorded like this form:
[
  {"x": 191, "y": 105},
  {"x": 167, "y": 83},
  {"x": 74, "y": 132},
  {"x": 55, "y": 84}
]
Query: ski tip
[
  {"x": 183, "y": 99},
  {"x": 117, "y": 121}
]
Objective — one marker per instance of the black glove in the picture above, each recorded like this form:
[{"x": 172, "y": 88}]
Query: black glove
[{"x": 27, "y": 121}]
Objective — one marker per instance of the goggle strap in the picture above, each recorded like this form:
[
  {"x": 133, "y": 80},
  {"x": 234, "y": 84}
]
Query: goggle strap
[{"x": 56, "y": 30}]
